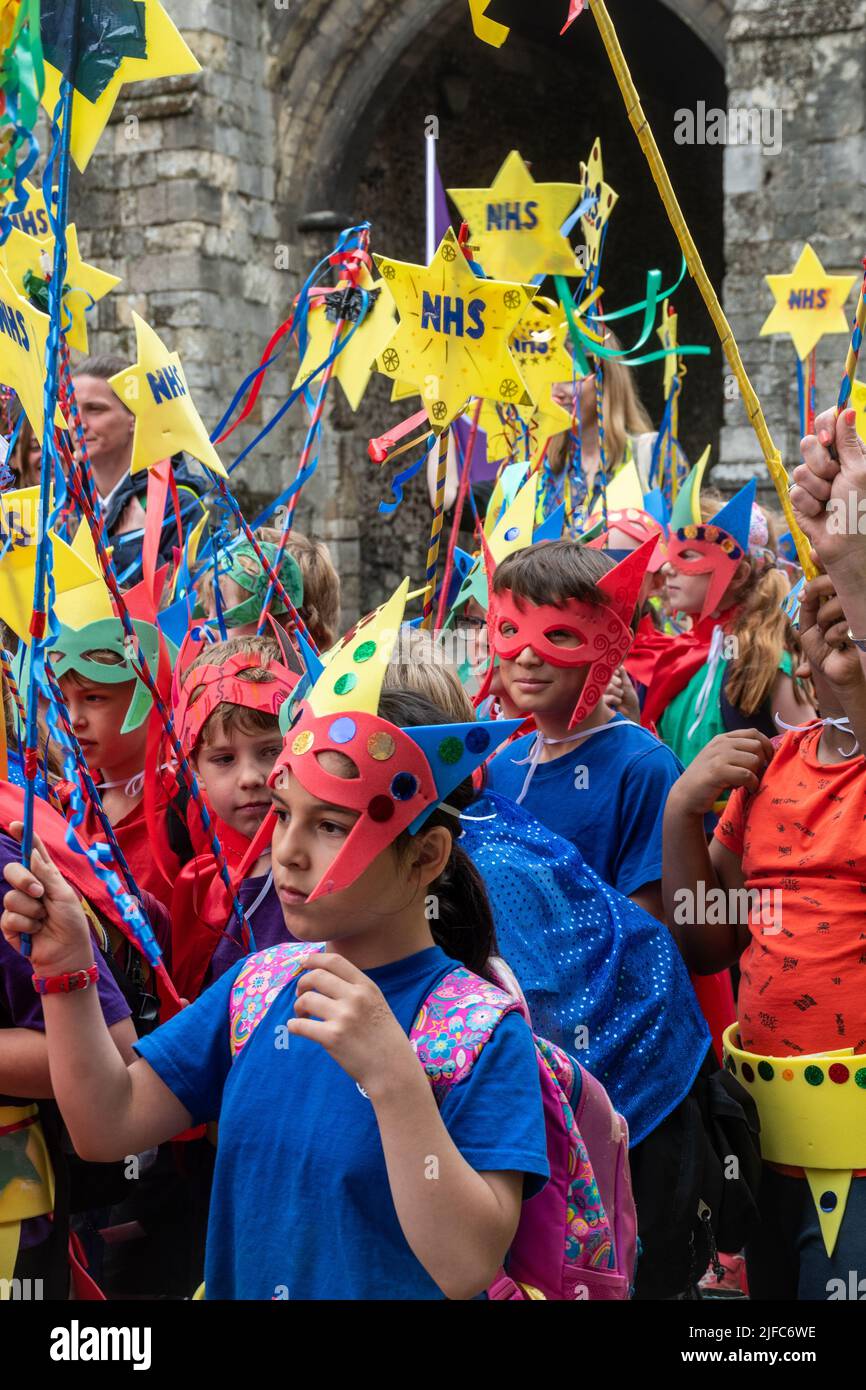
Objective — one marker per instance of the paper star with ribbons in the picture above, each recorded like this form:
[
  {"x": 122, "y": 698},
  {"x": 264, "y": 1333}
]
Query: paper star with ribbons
[
  {"x": 356, "y": 361},
  {"x": 809, "y": 303},
  {"x": 526, "y": 435},
  {"x": 538, "y": 346},
  {"x": 33, "y": 218},
  {"x": 487, "y": 30},
  {"x": 156, "y": 392},
  {"x": 84, "y": 285},
  {"x": 668, "y": 337},
  {"x": 452, "y": 339},
  {"x": 19, "y": 512},
  {"x": 131, "y": 42},
  {"x": 593, "y": 184},
  {"x": 516, "y": 223},
  {"x": 23, "y": 332}
]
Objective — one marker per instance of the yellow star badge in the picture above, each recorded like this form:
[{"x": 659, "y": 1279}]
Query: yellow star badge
[
  {"x": 85, "y": 284},
  {"x": 166, "y": 421},
  {"x": 516, "y": 222},
  {"x": 23, "y": 331},
  {"x": 858, "y": 403},
  {"x": 594, "y": 222},
  {"x": 452, "y": 338},
  {"x": 809, "y": 303},
  {"x": 19, "y": 520},
  {"x": 167, "y": 56},
  {"x": 355, "y": 362},
  {"x": 33, "y": 219}
]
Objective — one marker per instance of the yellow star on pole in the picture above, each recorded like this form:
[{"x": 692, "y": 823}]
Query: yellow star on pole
[
  {"x": 809, "y": 303},
  {"x": 19, "y": 518},
  {"x": 516, "y": 222},
  {"x": 487, "y": 30},
  {"x": 23, "y": 331},
  {"x": 525, "y": 437},
  {"x": 858, "y": 403},
  {"x": 168, "y": 55},
  {"x": 538, "y": 344},
  {"x": 452, "y": 339},
  {"x": 668, "y": 337},
  {"x": 355, "y": 362},
  {"x": 156, "y": 392},
  {"x": 33, "y": 219},
  {"x": 85, "y": 284},
  {"x": 592, "y": 182}
]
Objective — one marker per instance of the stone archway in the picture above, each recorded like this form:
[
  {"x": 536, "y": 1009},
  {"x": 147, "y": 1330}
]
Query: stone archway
[{"x": 709, "y": 19}]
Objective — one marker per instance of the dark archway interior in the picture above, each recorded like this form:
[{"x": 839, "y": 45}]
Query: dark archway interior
[{"x": 549, "y": 98}]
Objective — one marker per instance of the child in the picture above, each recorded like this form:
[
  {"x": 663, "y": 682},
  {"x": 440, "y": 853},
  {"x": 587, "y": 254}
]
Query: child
[
  {"x": 735, "y": 668},
  {"x": 226, "y": 711},
  {"x": 243, "y": 584},
  {"x": 792, "y": 836},
  {"x": 320, "y": 609},
  {"x": 109, "y": 708},
  {"x": 322, "y": 1184},
  {"x": 560, "y": 625}
]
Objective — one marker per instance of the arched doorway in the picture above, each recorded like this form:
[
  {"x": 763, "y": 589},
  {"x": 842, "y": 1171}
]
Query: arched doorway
[{"x": 357, "y": 147}]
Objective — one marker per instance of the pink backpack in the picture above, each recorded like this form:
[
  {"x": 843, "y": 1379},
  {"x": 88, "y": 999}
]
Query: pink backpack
[{"x": 577, "y": 1238}]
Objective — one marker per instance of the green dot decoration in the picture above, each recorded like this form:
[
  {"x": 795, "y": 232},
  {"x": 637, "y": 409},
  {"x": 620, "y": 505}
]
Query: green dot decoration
[
  {"x": 365, "y": 651},
  {"x": 450, "y": 750},
  {"x": 814, "y": 1076},
  {"x": 765, "y": 1071},
  {"x": 345, "y": 683}
]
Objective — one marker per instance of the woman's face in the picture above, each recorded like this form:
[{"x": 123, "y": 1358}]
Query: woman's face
[{"x": 564, "y": 393}]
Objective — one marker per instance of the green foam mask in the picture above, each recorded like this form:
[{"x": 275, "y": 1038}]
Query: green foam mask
[
  {"x": 246, "y": 570},
  {"x": 70, "y": 653}
]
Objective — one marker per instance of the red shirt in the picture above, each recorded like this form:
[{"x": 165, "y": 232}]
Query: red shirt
[{"x": 801, "y": 837}]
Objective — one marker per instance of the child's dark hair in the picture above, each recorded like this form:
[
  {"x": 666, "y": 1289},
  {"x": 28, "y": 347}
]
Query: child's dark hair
[
  {"x": 553, "y": 572},
  {"x": 464, "y": 927}
]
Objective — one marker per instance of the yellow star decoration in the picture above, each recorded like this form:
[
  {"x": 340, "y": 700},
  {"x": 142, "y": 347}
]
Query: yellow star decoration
[
  {"x": 516, "y": 223},
  {"x": 668, "y": 337},
  {"x": 452, "y": 338},
  {"x": 506, "y": 439},
  {"x": 167, "y": 56},
  {"x": 858, "y": 403},
  {"x": 23, "y": 331},
  {"x": 34, "y": 219},
  {"x": 166, "y": 421},
  {"x": 487, "y": 30},
  {"x": 356, "y": 361},
  {"x": 19, "y": 516},
  {"x": 86, "y": 283},
  {"x": 809, "y": 303},
  {"x": 592, "y": 181}
]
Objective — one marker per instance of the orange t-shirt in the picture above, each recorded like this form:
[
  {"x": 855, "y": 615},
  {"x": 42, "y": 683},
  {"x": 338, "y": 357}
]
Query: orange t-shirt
[{"x": 801, "y": 837}]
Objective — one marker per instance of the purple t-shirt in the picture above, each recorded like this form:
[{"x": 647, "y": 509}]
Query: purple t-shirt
[
  {"x": 22, "y": 1007},
  {"x": 259, "y": 898}
]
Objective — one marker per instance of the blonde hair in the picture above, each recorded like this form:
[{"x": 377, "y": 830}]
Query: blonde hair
[
  {"x": 320, "y": 609},
  {"x": 625, "y": 415},
  {"x": 228, "y": 718},
  {"x": 417, "y": 667},
  {"x": 762, "y": 629}
]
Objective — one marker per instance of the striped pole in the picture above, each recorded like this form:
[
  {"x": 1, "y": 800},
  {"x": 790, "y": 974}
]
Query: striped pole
[
  {"x": 853, "y": 349},
  {"x": 641, "y": 127},
  {"x": 436, "y": 530}
]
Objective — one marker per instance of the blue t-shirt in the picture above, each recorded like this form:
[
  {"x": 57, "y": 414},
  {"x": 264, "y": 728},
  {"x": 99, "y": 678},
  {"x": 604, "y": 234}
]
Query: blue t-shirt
[
  {"x": 607, "y": 796},
  {"x": 301, "y": 1205}
]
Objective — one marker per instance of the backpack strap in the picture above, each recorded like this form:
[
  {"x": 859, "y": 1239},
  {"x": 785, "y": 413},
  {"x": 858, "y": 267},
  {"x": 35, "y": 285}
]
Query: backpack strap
[
  {"x": 257, "y": 984},
  {"x": 454, "y": 1023}
]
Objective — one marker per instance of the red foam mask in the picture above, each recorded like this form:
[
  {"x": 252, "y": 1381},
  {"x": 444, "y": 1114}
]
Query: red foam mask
[
  {"x": 403, "y": 775},
  {"x": 603, "y": 630},
  {"x": 719, "y": 555},
  {"x": 638, "y": 526},
  {"x": 206, "y": 687}
]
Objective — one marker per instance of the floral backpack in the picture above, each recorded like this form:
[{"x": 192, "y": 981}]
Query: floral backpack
[{"x": 577, "y": 1238}]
